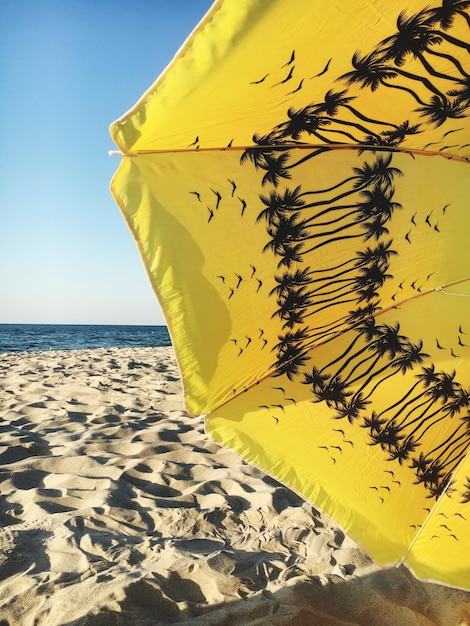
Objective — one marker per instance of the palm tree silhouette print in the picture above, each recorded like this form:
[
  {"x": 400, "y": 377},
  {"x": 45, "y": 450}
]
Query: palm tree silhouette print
[
  {"x": 466, "y": 493},
  {"x": 415, "y": 36},
  {"x": 303, "y": 220},
  {"x": 372, "y": 71},
  {"x": 446, "y": 14}
]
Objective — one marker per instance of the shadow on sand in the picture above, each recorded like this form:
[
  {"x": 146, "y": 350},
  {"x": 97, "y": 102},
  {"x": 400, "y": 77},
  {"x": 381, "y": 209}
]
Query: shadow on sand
[{"x": 391, "y": 597}]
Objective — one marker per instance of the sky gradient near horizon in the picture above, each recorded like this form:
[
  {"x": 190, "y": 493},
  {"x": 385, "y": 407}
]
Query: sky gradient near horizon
[{"x": 68, "y": 69}]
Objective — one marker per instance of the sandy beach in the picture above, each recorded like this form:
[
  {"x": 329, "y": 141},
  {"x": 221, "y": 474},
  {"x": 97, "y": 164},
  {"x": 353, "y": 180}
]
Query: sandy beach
[{"x": 117, "y": 509}]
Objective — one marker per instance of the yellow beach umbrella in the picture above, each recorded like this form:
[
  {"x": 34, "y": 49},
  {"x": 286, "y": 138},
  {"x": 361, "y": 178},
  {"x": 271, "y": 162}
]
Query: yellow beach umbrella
[{"x": 297, "y": 181}]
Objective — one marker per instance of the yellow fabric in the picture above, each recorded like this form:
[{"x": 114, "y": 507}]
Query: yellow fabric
[{"x": 297, "y": 183}]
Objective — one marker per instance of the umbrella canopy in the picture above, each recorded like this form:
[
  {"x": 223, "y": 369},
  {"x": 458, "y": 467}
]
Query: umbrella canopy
[{"x": 297, "y": 182}]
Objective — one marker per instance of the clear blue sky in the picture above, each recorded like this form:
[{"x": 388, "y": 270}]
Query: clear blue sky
[{"x": 68, "y": 68}]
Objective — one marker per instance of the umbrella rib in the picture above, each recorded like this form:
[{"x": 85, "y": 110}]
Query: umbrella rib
[
  {"x": 439, "y": 289},
  {"x": 448, "y": 293},
  {"x": 299, "y": 146}
]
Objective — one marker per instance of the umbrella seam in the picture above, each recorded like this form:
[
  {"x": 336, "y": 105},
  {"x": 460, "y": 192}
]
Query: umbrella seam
[{"x": 431, "y": 512}]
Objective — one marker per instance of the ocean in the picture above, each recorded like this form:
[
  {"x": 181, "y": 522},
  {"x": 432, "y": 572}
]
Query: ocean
[{"x": 40, "y": 337}]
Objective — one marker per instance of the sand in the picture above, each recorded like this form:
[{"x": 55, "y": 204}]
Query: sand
[{"x": 116, "y": 508}]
